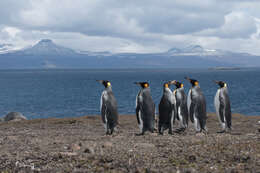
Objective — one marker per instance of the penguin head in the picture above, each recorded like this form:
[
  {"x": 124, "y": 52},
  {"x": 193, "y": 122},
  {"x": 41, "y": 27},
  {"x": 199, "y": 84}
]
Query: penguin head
[
  {"x": 166, "y": 84},
  {"x": 177, "y": 84},
  {"x": 106, "y": 83},
  {"x": 193, "y": 82},
  {"x": 143, "y": 84},
  {"x": 221, "y": 84}
]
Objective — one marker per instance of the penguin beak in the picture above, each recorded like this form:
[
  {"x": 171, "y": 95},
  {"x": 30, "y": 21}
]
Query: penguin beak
[
  {"x": 137, "y": 83},
  {"x": 188, "y": 79},
  {"x": 100, "y": 81},
  {"x": 173, "y": 82},
  {"x": 217, "y": 82}
]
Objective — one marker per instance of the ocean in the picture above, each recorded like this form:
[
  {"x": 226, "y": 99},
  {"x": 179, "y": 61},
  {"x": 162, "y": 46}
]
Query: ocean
[{"x": 71, "y": 93}]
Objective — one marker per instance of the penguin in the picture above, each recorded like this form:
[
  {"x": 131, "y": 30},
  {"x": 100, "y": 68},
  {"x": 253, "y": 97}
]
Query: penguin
[
  {"x": 166, "y": 110},
  {"x": 196, "y": 103},
  {"x": 222, "y": 106},
  {"x": 145, "y": 108},
  {"x": 108, "y": 108},
  {"x": 181, "y": 105}
]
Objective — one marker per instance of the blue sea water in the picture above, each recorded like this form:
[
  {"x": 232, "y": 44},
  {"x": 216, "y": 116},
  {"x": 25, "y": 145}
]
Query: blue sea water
[{"x": 70, "y": 93}]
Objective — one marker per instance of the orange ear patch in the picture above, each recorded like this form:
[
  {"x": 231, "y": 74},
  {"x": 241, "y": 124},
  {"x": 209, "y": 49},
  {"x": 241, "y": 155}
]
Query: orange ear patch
[
  {"x": 146, "y": 85},
  {"x": 196, "y": 83},
  {"x": 182, "y": 85},
  {"x": 108, "y": 84},
  {"x": 166, "y": 85}
]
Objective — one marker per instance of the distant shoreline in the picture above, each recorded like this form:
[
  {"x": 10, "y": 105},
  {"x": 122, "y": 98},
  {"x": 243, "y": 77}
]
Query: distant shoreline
[{"x": 225, "y": 68}]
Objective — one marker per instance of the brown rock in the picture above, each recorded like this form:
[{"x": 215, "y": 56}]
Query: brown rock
[{"x": 107, "y": 145}]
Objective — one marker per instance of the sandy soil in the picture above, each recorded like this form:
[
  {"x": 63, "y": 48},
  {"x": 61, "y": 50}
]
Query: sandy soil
[{"x": 79, "y": 145}]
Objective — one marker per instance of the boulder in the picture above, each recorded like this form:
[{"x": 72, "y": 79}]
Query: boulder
[{"x": 14, "y": 116}]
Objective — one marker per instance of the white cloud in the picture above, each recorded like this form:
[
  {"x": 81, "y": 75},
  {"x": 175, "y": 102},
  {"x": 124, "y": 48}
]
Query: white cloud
[
  {"x": 142, "y": 26},
  {"x": 237, "y": 25}
]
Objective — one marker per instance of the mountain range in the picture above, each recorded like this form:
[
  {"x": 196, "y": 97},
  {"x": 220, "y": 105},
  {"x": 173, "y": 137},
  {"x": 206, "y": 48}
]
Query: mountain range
[{"x": 47, "y": 54}]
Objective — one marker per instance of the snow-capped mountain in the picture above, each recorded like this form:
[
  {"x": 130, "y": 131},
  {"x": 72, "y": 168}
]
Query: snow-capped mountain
[
  {"x": 47, "y": 47},
  {"x": 195, "y": 50},
  {"x": 47, "y": 54}
]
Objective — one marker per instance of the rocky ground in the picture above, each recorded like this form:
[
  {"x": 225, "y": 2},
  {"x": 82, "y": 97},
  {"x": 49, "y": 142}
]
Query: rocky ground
[{"x": 79, "y": 145}]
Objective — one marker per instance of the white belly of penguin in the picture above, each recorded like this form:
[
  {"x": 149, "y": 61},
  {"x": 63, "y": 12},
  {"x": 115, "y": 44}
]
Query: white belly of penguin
[
  {"x": 141, "y": 125},
  {"x": 105, "y": 97},
  {"x": 217, "y": 104},
  {"x": 180, "y": 116}
]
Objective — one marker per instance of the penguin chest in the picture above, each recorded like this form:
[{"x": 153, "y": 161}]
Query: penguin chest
[
  {"x": 103, "y": 99},
  {"x": 217, "y": 101}
]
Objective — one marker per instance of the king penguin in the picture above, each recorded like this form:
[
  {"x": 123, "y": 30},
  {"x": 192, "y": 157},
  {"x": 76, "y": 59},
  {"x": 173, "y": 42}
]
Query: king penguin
[
  {"x": 181, "y": 105},
  {"x": 108, "y": 108},
  {"x": 166, "y": 110},
  {"x": 222, "y": 106},
  {"x": 145, "y": 108},
  {"x": 196, "y": 103}
]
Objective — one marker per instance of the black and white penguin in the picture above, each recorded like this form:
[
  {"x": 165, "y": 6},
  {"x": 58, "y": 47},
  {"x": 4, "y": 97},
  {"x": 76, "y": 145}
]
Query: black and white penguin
[
  {"x": 108, "y": 108},
  {"x": 145, "y": 108},
  {"x": 166, "y": 110},
  {"x": 222, "y": 106},
  {"x": 181, "y": 105},
  {"x": 196, "y": 103}
]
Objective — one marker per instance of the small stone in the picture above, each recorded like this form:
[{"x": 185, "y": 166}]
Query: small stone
[
  {"x": 145, "y": 145},
  {"x": 67, "y": 147},
  {"x": 107, "y": 145},
  {"x": 75, "y": 147},
  {"x": 69, "y": 153},
  {"x": 189, "y": 170},
  {"x": 14, "y": 116},
  {"x": 89, "y": 150},
  {"x": 192, "y": 158}
]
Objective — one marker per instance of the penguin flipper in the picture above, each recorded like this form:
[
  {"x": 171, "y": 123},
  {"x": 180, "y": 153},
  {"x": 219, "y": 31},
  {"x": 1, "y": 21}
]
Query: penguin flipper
[
  {"x": 104, "y": 112},
  {"x": 137, "y": 110},
  {"x": 190, "y": 106},
  {"x": 228, "y": 114},
  {"x": 191, "y": 111},
  {"x": 177, "y": 109}
]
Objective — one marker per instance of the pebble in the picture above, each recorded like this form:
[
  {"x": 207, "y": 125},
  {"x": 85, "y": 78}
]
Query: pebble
[
  {"x": 75, "y": 147},
  {"x": 107, "y": 145},
  {"x": 89, "y": 150},
  {"x": 144, "y": 145}
]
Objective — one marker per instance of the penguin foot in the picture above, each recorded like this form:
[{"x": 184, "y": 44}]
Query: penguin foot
[
  {"x": 180, "y": 130},
  {"x": 222, "y": 131},
  {"x": 139, "y": 134},
  {"x": 160, "y": 132}
]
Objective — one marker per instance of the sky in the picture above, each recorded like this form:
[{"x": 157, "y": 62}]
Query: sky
[{"x": 143, "y": 26}]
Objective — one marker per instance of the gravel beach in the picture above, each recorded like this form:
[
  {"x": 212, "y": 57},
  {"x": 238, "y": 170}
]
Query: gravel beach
[{"x": 80, "y": 145}]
